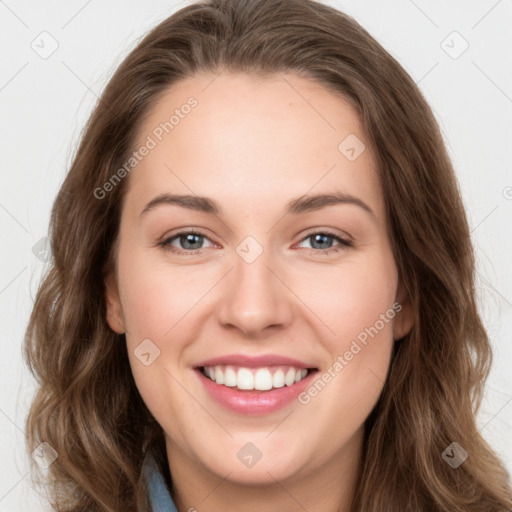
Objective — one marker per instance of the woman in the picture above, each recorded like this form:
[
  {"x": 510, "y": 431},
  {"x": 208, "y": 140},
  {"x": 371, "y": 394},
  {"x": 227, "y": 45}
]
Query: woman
[{"x": 192, "y": 352}]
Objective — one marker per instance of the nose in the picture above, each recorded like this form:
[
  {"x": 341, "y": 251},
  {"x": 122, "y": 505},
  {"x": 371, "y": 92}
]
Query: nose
[{"x": 255, "y": 298}]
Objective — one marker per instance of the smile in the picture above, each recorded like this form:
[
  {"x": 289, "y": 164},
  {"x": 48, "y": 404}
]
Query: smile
[
  {"x": 261, "y": 379},
  {"x": 254, "y": 385}
]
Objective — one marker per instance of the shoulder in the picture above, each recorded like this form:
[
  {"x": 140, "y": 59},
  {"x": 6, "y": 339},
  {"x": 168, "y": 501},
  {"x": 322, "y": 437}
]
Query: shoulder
[{"x": 159, "y": 494}]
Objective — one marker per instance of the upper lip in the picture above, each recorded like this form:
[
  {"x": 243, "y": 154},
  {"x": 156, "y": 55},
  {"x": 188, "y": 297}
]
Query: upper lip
[{"x": 254, "y": 361}]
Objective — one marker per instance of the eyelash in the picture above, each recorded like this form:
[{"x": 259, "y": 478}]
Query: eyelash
[{"x": 344, "y": 243}]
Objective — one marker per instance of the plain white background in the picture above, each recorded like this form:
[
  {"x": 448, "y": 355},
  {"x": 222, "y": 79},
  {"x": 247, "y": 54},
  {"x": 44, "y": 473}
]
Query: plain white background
[{"x": 45, "y": 103}]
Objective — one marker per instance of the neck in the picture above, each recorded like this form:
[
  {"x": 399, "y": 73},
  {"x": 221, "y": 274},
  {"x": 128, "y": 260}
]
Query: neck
[{"x": 326, "y": 487}]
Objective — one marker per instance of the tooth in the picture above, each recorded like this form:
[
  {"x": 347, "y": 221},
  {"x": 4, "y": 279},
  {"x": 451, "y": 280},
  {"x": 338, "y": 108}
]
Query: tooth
[
  {"x": 229, "y": 377},
  {"x": 278, "y": 379},
  {"x": 289, "y": 378},
  {"x": 219, "y": 375},
  {"x": 245, "y": 379},
  {"x": 263, "y": 379}
]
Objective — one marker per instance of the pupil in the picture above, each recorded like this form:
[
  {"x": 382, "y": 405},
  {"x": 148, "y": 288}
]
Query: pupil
[
  {"x": 321, "y": 239},
  {"x": 189, "y": 240}
]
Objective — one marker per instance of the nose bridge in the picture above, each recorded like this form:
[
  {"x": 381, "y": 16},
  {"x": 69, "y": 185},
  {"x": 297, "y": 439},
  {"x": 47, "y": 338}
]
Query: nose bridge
[{"x": 255, "y": 298}]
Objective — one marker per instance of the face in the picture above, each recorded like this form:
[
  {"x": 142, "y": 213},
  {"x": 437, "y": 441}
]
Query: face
[{"x": 259, "y": 285}]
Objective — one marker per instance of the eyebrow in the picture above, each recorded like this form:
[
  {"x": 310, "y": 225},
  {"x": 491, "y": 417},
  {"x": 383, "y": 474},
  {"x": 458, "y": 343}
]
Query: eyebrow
[{"x": 296, "y": 206}]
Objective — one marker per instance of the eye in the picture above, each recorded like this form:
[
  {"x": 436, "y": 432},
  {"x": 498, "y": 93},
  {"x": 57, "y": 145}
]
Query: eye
[
  {"x": 322, "y": 242},
  {"x": 190, "y": 242}
]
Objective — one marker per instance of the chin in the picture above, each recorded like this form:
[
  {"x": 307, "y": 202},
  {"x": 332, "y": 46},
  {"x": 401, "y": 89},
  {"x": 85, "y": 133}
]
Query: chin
[{"x": 267, "y": 464}]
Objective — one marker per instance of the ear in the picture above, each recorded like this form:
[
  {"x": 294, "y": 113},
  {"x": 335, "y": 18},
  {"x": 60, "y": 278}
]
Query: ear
[
  {"x": 404, "y": 319},
  {"x": 115, "y": 317}
]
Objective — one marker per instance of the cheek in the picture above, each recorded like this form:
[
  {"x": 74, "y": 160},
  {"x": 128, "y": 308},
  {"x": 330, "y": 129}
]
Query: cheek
[
  {"x": 352, "y": 297},
  {"x": 346, "y": 299},
  {"x": 357, "y": 303},
  {"x": 159, "y": 304},
  {"x": 154, "y": 296},
  {"x": 152, "y": 305}
]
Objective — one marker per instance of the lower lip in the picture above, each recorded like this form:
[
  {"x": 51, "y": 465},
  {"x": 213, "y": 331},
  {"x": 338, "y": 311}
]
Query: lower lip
[{"x": 251, "y": 401}]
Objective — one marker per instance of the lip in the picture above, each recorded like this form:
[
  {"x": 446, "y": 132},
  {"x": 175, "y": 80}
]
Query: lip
[
  {"x": 254, "y": 361},
  {"x": 254, "y": 402}
]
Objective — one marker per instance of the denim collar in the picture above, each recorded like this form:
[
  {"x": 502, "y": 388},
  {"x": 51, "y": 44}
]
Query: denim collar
[{"x": 159, "y": 494}]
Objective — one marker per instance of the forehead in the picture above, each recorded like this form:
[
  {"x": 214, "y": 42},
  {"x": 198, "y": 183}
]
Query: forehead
[{"x": 240, "y": 138}]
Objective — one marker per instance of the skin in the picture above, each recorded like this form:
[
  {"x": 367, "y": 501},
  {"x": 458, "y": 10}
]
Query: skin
[{"x": 252, "y": 146}]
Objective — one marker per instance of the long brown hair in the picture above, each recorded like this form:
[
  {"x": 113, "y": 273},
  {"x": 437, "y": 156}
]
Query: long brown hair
[{"x": 87, "y": 406}]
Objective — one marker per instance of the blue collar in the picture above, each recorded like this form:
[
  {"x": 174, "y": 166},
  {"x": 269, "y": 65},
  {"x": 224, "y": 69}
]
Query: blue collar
[{"x": 159, "y": 494}]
